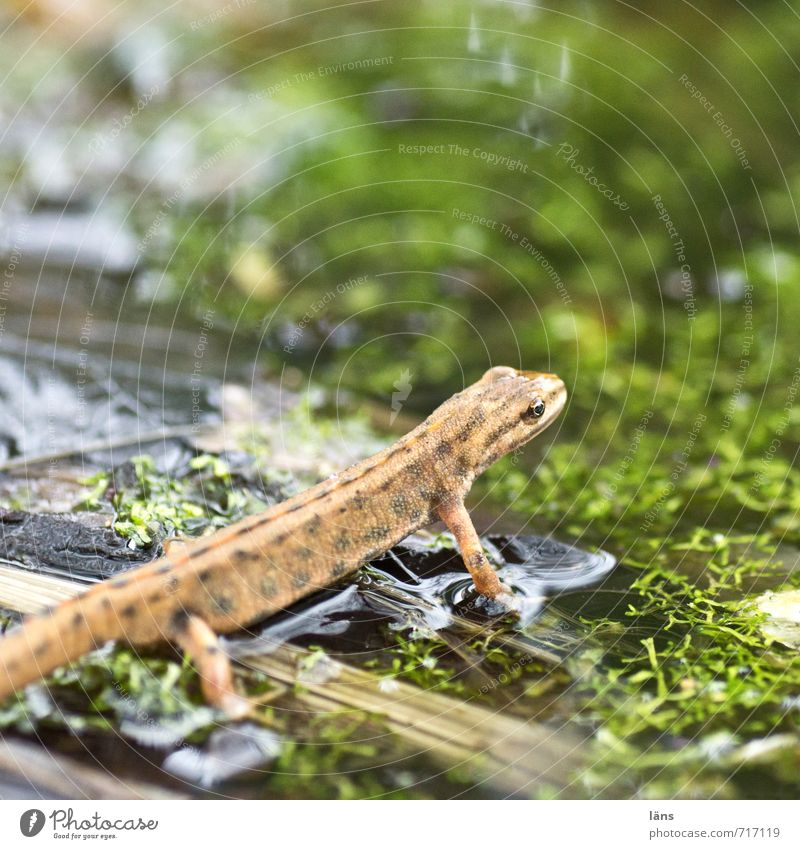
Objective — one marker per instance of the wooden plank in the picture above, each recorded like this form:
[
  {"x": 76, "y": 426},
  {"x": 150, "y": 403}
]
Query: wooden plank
[
  {"x": 512, "y": 755},
  {"x": 29, "y": 592},
  {"x": 29, "y": 771},
  {"x": 509, "y": 753}
]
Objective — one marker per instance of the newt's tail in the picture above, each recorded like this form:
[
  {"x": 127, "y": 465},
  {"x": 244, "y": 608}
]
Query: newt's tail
[{"x": 46, "y": 641}]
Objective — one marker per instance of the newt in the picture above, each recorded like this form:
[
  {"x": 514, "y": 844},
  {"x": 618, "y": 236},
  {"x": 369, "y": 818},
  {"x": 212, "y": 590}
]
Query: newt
[{"x": 265, "y": 562}]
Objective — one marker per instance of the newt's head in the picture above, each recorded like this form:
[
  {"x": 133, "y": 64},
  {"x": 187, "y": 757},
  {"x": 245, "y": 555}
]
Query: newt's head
[{"x": 518, "y": 405}]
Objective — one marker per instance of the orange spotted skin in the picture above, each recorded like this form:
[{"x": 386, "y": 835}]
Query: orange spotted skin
[{"x": 265, "y": 562}]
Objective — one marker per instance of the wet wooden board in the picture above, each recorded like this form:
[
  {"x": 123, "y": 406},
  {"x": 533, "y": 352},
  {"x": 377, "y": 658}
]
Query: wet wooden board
[
  {"x": 28, "y": 771},
  {"x": 511, "y": 755},
  {"x": 28, "y": 592}
]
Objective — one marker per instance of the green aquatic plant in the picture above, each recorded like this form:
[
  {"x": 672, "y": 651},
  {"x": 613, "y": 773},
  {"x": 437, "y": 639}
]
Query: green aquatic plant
[
  {"x": 704, "y": 670},
  {"x": 154, "y": 505}
]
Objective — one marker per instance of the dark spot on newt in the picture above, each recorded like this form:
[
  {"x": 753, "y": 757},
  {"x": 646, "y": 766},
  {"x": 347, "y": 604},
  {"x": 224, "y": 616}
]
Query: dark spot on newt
[
  {"x": 476, "y": 419},
  {"x": 77, "y": 620},
  {"x": 256, "y": 523},
  {"x": 105, "y": 602},
  {"x": 179, "y": 620},
  {"x": 462, "y": 469},
  {"x": 162, "y": 570},
  {"x": 171, "y": 584},
  {"x": 376, "y": 534},
  {"x": 304, "y": 553},
  {"x": 443, "y": 449},
  {"x": 204, "y": 549},
  {"x": 386, "y": 484},
  {"x": 415, "y": 470},
  {"x": 299, "y": 505},
  {"x": 119, "y": 583},
  {"x": 343, "y": 542},
  {"x": 224, "y": 603},
  {"x": 205, "y": 575},
  {"x": 212, "y": 648},
  {"x": 281, "y": 538},
  {"x": 244, "y": 555},
  {"x": 399, "y": 504},
  {"x": 314, "y": 523},
  {"x": 40, "y": 649},
  {"x": 493, "y": 436},
  {"x": 359, "y": 501},
  {"x": 300, "y": 578},
  {"x": 340, "y": 568},
  {"x": 269, "y": 587},
  {"x": 129, "y": 611}
]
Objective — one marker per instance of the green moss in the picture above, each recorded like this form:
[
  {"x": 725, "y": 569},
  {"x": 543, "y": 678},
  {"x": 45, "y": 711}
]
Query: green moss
[
  {"x": 157, "y": 505},
  {"x": 105, "y": 688},
  {"x": 418, "y": 658}
]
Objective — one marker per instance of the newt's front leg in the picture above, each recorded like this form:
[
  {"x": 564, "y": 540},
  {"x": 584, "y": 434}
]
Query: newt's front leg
[{"x": 454, "y": 514}]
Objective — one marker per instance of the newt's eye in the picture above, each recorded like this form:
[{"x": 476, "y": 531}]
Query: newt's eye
[{"x": 535, "y": 409}]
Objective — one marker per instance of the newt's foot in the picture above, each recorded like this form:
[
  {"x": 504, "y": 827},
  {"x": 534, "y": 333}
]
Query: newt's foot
[
  {"x": 235, "y": 706},
  {"x": 506, "y": 595},
  {"x": 504, "y": 602},
  {"x": 508, "y": 600},
  {"x": 501, "y": 605},
  {"x": 485, "y": 579}
]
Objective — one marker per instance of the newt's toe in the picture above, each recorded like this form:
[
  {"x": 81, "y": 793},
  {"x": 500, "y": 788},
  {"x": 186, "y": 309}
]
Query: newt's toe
[{"x": 236, "y": 706}]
